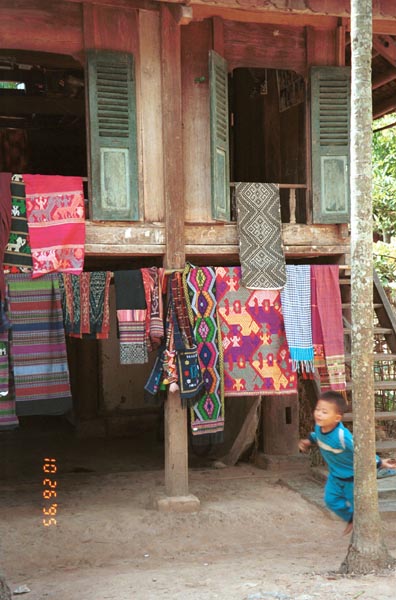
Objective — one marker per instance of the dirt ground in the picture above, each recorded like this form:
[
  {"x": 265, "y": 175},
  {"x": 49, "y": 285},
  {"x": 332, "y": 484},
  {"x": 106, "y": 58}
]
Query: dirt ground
[{"x": 253, "y": 539}]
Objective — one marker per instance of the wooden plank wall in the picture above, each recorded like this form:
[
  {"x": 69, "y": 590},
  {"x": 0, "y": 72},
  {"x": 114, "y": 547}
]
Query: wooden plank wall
[
  {"x": 151, "y": 156},
  {"x": 259, "y": 45},
  {"x": 196, "y": 40},
  {"x": 41, "y": 26}
]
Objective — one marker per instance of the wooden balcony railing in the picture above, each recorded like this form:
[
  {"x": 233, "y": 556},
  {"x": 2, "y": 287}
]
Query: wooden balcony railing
[{"x": 297, "y": 209}]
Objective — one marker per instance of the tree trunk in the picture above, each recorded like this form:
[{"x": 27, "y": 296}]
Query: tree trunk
[
  {"x": 367, "y": 551},
  {"x": 5, "y": 593}
]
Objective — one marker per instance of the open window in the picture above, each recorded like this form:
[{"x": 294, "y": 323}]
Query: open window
[
  {"x": 258, "y": 134},
  {"x": 42, "y": 114}
]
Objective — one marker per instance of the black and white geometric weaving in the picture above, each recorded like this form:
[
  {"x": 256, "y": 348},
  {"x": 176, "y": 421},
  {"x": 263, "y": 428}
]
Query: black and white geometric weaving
[{"x": 260, "y": 236}]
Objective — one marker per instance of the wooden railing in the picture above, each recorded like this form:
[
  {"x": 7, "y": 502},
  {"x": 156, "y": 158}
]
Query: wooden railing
[{"x": 293, "y": 187}]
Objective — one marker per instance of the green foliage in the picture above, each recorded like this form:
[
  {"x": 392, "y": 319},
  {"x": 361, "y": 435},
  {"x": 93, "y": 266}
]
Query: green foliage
[
  {"x": 384, "y": 178},
  {"x": 385, "y": 265}
]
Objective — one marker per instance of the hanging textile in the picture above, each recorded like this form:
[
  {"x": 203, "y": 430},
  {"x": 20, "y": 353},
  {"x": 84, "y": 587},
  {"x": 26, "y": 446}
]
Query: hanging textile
[
  {"x": 38, "y": 346},
  {"x": 5, "y": 225},
  {"x": 327, "y": 327},
  {"x": 18, "y": 255},
  {"x": 8, "y": 418},
  {"x": 296, "y": 308},
  {"x": 177, "y": 361},
  {"x": 188, "y": 369},
  {"x": 152, "y": 282},
  {"x": 131, "y": 315},
  {"x": 85, "y": 304},
  {"x": 56, "y": 219},
  {"x": 256, "y": 355},
  {"x": 207, "y": 415},
  {"x": 260, "y": 236}
]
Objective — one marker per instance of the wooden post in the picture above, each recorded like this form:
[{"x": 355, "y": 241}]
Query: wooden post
[{"x": 176, "y": 446}]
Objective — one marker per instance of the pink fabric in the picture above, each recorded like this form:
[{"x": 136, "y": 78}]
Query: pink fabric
[
  {"x": 56, "y": 220},
  {"x": 328, "y": 332}
]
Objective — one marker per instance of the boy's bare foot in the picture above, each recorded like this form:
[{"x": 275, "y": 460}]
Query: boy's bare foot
[{"x": 348, "y": 529}]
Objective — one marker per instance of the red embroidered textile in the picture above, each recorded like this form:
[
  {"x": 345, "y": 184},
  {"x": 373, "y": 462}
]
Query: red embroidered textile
[{"x": 56, "y": 220}]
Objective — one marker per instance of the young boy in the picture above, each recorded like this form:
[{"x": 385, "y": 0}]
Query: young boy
[{"x": 336, "y": 447}]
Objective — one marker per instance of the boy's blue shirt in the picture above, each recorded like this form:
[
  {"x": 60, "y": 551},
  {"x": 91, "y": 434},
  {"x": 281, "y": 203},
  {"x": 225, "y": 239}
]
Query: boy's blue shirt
[{"x": 336, "y": 447}]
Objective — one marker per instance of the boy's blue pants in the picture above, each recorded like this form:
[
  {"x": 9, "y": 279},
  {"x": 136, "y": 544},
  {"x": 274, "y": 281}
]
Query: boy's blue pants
[{"x": 338, "y": 497}]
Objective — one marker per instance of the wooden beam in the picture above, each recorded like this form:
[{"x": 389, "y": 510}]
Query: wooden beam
[
  {"x": 207, "y": 11},
  {"x": 218, "y": 35},
  {"x": 383, "y": 78},
  {"x": 26, "y": 105},
  {"x": 125, "y": 4},
  {"x": 206, "y": 239},
  {"x": 340, "y": 45},
  {"x": 183, "y": 15},
  {"x": 384, "y": 107},
  {"x": 386, "y": 47},
  {"x": 172, "y": 138},
  {"x": 176, "y": 443}
]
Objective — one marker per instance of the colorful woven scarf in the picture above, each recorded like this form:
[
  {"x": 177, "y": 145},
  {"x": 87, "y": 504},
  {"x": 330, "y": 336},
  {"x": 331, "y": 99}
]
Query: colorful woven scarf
[
  {"x": 18, "y": 255},
  {"x": 296, "y": 308},
  {"x": 38, "y": 346},
  {"x": 85, "y": 304},
  {"x": 8, "y": 418},
  {"x": 327, "y": 327},
  {"x": 131, "y": 315},
  {"x": 152, "y": 280},
  {"x": 56, "y": 219},
  {"x": 207, "y": 415},
  {"x": 260, "y": 236},
  {"x": 256, "y": 355},
  {"x": 177, "y": 361}
]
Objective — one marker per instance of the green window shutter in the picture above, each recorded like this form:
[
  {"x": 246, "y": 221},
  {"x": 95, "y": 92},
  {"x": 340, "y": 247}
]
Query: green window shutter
[
  {"x": 219, "y": 137},
  {"x": 330, "y": 118},
  {"x": 113, "y": 136}
]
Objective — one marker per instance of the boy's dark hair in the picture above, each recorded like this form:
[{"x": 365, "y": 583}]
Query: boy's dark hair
[{"x": 335, "y": 398}]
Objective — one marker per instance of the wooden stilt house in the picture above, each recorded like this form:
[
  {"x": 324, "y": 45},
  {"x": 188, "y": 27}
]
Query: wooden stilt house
[{"x": 162, "y": 106}]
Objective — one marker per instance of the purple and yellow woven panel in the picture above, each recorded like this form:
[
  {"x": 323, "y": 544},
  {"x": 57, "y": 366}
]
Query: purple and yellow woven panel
[
  {"x": 256, "y": 354},
  {"x": 207, "y": 415}
]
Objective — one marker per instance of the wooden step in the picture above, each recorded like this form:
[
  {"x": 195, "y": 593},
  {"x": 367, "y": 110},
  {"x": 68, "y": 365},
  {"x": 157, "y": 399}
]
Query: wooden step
[
  {"x": 386, "y": 445},
  {"x": 378, "y": 385},
  {"x": 376, "y": 330},
  {"x": 349, "y": 305},
  {"x": 377, "y": 356},
  {"x": 379, "y": 416},
  {"x": 344, "y": 281}
]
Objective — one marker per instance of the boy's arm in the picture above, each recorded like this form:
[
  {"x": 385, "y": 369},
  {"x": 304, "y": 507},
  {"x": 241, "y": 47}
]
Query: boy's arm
[
  {"x": 307, "y": 442},
  {"x": 386, "y": 463}
]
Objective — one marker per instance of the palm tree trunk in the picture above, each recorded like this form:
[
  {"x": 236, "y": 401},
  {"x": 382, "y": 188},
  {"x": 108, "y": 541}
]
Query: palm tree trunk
[{"x": 367, "y": 551}]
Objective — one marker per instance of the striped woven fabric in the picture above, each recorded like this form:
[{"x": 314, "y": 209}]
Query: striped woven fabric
[
  {"x": 8, "y": 418},
  {"x": 133, "y": 343},
  {"x": 41, "y": 371}
]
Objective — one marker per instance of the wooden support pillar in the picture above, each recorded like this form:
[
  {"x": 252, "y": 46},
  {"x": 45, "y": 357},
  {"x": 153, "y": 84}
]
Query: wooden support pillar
[
  {"x": 176, "y": 447},
  {"x": 176, "y": 441},
  {"x": 281, "y": 434}
]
